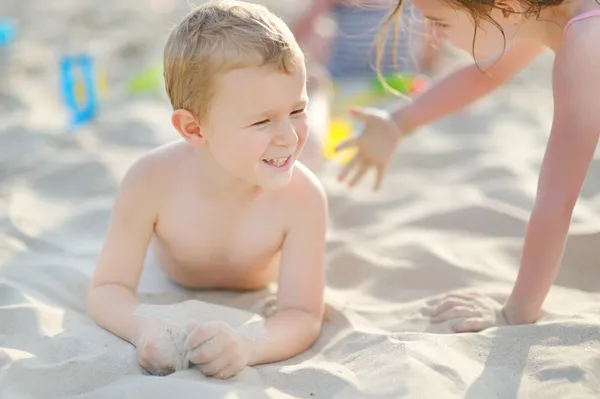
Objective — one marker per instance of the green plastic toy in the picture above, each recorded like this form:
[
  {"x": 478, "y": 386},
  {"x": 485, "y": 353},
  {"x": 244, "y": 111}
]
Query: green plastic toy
[
  {"x": 404, "y": 83},
  {"x": 148, "y": 80},
  {"x": 401, "y": 82}
]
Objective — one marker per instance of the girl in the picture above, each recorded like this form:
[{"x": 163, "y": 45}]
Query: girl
[
  {"x": 350, "y": 51},
  {"x": 510, "y": 33}
]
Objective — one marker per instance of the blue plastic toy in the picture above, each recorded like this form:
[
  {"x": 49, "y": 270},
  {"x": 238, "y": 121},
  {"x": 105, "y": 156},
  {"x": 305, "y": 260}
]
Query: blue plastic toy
[
  {"x": 77, "y": 74},
  {"x": 7, "y": 32}
]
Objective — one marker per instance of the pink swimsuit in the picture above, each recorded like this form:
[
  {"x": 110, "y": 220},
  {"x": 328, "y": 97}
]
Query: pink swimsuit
[{"x": 585, "y": 15}]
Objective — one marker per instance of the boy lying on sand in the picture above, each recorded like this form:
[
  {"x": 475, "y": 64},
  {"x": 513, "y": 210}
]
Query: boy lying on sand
[{"x": 229, "y": 206}]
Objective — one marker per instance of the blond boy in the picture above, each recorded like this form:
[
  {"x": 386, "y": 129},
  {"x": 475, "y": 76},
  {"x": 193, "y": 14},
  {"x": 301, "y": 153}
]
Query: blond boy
[{"x": 227, "y": 205}]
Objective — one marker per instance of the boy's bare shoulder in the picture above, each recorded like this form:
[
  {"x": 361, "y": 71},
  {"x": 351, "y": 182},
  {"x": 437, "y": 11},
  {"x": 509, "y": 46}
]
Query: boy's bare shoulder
[
  {"x": 154, "y": 169},
  {"x": 305, "y": 192}
]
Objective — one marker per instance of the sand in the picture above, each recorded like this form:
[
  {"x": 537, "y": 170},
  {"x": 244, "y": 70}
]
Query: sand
[{"x": 451, "y": 215}]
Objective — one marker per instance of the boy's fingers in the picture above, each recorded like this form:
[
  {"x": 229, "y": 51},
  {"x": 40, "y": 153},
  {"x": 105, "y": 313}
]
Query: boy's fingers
[
  {"x": 202, "y": 333},
  {"x": 191, "y": 326},
  {"x": 231, "y": 371},
  {"x": 153, "y": 365},
  {"x": 218, "y": 365},
  {"x": 210, "y": 350}
]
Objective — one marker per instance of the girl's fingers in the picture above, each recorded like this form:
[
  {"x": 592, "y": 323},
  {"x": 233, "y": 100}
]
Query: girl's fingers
[
  {"x": 446, "y": 305},
  {"x": 473, "y": 324},
  {"x": 362, "y": 169},
  {"x": 361, "y": 114},
  {"x": 437, "y": 306},
  {"x": 380, "y": 170},
  {"x": 454, "y": 313},
  {"x": 346, "y": 144},
  {"x": 466, "y": 295},
  {"x": 347, "y": 168}
]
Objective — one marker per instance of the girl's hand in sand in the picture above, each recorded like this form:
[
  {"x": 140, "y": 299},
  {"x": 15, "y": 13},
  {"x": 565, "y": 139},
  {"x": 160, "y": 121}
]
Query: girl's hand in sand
[
  {"x": 475, "y": 311},
  {"x": 218, "y": 349},
  {"x": 376, "y": 145}
]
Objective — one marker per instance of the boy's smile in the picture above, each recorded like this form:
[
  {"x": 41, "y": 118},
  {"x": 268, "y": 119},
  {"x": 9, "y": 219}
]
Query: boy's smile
[{"x": 279, "y": 163}]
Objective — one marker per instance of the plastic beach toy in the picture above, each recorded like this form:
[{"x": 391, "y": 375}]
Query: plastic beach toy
[
  {"x": 79, "y": 89},
  {"x": 405, "y": 83},
  {"x": 7, "y": 32},
  {"x": 339, "y": 130},
  {"x": 146, "y": 81}
]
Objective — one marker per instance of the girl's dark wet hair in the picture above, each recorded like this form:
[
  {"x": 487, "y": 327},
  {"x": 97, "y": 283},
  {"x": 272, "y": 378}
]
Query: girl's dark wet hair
[{"x": 479, "y": 10}]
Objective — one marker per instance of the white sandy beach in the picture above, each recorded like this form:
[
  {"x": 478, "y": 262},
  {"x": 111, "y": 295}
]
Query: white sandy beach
[{"x": 451, "y": 215}]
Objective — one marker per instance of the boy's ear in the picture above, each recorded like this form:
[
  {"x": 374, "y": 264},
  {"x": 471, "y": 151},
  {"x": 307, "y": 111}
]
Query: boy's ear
[{"x": 188, "y": 127}]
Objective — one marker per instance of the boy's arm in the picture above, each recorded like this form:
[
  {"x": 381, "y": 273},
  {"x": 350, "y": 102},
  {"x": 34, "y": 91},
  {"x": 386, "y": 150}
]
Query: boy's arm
[
  {"x": 570, "y": 150},
  {"x": 464, "y": 86},
  {"x": 297, "y": 321},
  {"x": 111, "y": 298}
]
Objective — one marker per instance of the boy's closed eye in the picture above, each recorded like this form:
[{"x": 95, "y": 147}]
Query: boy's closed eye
[{"x": 265, "y": 121}]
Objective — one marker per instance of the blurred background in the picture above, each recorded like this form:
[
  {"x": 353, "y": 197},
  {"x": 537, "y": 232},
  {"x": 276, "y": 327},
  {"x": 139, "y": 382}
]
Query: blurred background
[{"x": 124, "y": 42}]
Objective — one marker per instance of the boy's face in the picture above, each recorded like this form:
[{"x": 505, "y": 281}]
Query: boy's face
[{"x": 256, "y": 125}]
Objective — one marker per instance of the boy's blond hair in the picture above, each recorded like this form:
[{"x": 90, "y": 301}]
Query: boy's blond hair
[{"x": 217, "y": 37}]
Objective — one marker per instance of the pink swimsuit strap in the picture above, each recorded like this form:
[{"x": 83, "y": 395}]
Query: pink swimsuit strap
[{"x": 585, "y": 15}]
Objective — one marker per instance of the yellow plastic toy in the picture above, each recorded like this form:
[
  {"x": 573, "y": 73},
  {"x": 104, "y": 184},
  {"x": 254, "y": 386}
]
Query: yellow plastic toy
[
  {"x": 339, "y": 130},
  {"x": 80, "y": 90}
]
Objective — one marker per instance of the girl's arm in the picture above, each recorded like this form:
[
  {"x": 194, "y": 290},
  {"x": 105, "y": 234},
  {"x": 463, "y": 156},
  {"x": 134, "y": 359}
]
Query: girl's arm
[
  {"x": 464, "y": 86},
  {"x": 570, "y": 150}
]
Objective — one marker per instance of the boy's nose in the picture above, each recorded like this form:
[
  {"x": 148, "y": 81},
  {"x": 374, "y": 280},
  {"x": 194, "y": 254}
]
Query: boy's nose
[{"x": 286, "y": 135}]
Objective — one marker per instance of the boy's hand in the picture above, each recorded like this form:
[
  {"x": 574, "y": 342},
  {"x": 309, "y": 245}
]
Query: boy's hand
[
  {"x": 376, "y": 145},
  {"x": 477, "y": 311},
  {"x": 219, "y": 350},
  {"x": 160, "y": 347}
]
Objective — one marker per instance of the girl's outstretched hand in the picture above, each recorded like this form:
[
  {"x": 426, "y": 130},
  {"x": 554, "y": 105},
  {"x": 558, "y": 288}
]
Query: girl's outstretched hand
[
  {"x": 376, "y": 145},
  {"x": 472, "y": 311}
]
